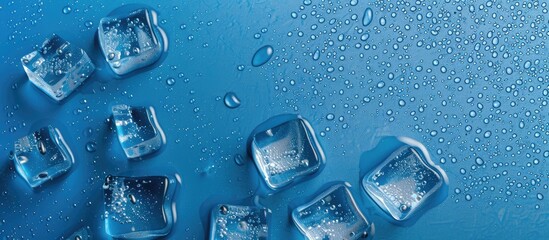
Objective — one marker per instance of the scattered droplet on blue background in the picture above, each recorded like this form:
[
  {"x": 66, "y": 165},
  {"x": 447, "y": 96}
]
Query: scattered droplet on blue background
[
  {"x": 231, "y": 100},
  {"x": 368, "y": 16},
  {"x": 262, "y": 55}
]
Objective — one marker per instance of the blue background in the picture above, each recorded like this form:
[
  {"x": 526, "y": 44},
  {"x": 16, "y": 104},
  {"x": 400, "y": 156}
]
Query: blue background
[{"x": 441, "y": 58}]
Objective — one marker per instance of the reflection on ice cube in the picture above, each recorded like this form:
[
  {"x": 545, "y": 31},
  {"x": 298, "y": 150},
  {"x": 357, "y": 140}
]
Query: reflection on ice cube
[
  {"x": 138, "y": 207},
  {"x": 333, "y": 214},
  {"x": 42, "y": 155},
  {"x": 403, "y": 183},
  {"x": 138, "y": 130},
  {"x": 130, "y": 41},
  {"x": 286, "y": 151},
  {"x": 57, "y": 67},
  {"x": 230, "y": 222}
]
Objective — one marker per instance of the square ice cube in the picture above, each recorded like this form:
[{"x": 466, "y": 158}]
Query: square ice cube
[
  {"x": 130, "y": 41},
  {"x": 230, "y": 222},
  {"x": 402, "y": 183},
  {"x": 138, "y": 130},
  {"x": 57, "y": 68},
  {"x": 332, "y": 215},
  {"x": 286, "y": 152},
  {"x": 138, "y": 207},
  {"x": 42, "y": 155}
]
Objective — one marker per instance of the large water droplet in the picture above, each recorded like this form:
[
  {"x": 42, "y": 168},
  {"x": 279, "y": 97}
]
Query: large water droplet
[
  {"x": 262, "y": 56},
  {"x": 368, "y": 16},
  {"x": 231, "y": 100}
]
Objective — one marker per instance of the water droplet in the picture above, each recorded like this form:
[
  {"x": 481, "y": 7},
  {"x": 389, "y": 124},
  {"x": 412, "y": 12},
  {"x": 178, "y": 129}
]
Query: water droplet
[
  {"x": 41, "y": 147},
  {"x": 231, "y": 100},
  {"x": 170, "y": 81},
  {"x": 223, "y": 209},
  {"x": 240, "y": 67},
  {"x": 368, "y": 16},
  {"x": 67, "y": 9},
  {"x": 132, "y": 198},
  {"x": 479, "y": 161},
  {"x": 316, "y": 55},
  {"x": 540, "y": 196},
  {"x": 239, "y": 160},
  {"x": 91, "y": 146},
  {"x": 262, "y": 56}
]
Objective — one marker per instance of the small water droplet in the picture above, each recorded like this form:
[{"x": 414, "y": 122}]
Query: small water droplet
[
  {"x": 170, "y": 81},
  {"x": 231, "y": 100},
  {"x": 42, "y": 147},
  {"x": 239, "y": 160},
  {"x": 224, "y": 209},
  {"x": 132, "y": 198},
  {"x": 91, "y": 146},
  {"x": 316, "y": 55},
  {"x": 67, "y": 9}
]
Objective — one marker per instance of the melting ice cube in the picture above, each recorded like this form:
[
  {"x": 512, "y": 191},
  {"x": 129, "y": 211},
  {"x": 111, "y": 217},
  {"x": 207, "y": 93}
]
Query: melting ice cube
[
  {"x": 42, "y": 155},
  {"x": 57, "y": 68},
  {"x": 285, "y": 152},
  {"x": 403, "y": 183},
  {"x": 332, "y": 215},
  {"x": 138, "y": 130},
  {"x": 230, "y": 222},
  {"x": 138, "y": 207},
  {"x": 130, "y": 41}
]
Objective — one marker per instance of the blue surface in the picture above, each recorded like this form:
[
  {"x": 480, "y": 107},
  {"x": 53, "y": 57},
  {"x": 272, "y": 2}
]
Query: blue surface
[{"x": 467, "y": 79}]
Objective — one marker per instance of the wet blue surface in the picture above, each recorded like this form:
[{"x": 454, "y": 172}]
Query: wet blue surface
[{"x": 467, "y": 79}]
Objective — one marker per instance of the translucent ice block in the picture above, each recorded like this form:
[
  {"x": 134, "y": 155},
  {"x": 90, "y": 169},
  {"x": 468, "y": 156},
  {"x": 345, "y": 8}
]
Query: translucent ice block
[
  {"x": 57, "y": 68},
  {"x": 332, "y": 215},
  {"x": 138, "y": 207},
  {"x": 230, "y": 222},
  {"x": 403, "y": 183},
  {"x": 138, "y": 130},
  {"x": 130, "y": 41},
  {"x": 286, "y": 152},
  {"x": 42, "y": 155}
]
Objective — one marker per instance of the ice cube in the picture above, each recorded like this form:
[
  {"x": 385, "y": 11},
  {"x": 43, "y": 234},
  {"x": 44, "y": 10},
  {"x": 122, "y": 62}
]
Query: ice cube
[
  {"x": 231, "y": 222},
  {"x": 57, "y": 68},
  {"x": 42, "y": 155},
  {"x": 286, "y": 152},
  {"x": 138, "y": 207},
  {"x": 402, "y": 183},
  {"x": 130, "y": 41},
  {"x": 332, "y": 215},
  {"x": 138, "y": 130}
]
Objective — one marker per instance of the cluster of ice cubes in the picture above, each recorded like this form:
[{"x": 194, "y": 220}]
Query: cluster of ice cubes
[
  {"x": 285, "y": 151},
  {"x": 232, "y": 222},
  {"x": 129, "y": 40}
]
